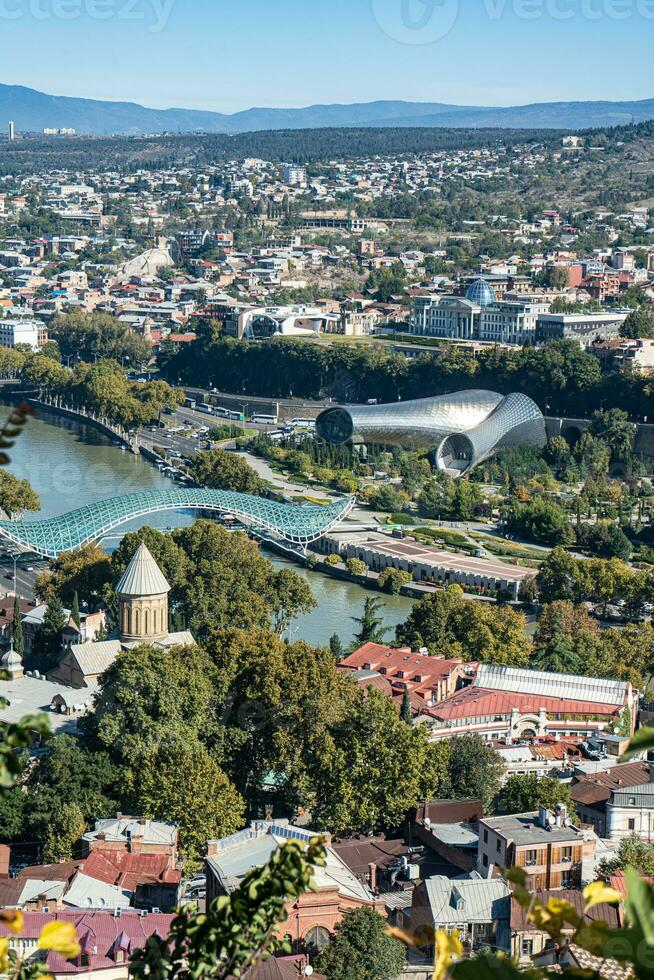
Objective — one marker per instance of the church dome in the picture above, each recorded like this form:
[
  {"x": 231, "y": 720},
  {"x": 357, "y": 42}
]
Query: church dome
[
  {"x": 11, "y": 659},
  {"x": 142, "y": 577},
  {"x": 481, "y": 293}
]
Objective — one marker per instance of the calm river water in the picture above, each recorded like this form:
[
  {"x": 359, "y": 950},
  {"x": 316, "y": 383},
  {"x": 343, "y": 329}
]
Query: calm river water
[{"x": 70, "y": 464}]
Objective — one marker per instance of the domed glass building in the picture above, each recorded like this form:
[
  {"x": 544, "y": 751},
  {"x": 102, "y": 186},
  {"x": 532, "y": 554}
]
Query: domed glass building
[{"x": 481, "y": 293}]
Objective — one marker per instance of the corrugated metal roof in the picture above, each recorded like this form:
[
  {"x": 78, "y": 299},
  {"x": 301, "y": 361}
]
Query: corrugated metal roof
[
  {"x": 479, "y": 900},
  {"x": 95, "y": 658},
  {"x": 573, "y": 688},
  {"x": 142, "y": 576}
]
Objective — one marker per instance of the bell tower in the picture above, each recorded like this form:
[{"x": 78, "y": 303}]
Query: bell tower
[{"x": 143, "y": 600}]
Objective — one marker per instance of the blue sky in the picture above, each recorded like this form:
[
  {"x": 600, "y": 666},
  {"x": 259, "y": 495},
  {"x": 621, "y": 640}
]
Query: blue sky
[{"x": 228, "y": 55}]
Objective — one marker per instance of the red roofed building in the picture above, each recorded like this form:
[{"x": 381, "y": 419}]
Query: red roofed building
[
  {"x": 509, "y": 703},
  {"x": 107, "y": 940},
  {"x": 428, "y": 679}
]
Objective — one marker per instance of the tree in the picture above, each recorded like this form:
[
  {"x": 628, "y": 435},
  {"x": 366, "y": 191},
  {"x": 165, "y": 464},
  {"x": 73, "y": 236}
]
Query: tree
[
  {"x": 47, "y": 642},
  {"x": 361, "y": 949},
  {"x": 387, "y": 498},
  {"x": 605, "y": 539},
  {"x": 336, "y": 647},
  {"x": 632, "y": 853},
  {"x": 17, "y": 495},
  {"x": 448, "y": 621},
  {"x": 391, "y": 580},
  {"x": 371, "y": 625},
  {"x": 563, "y": 618},
  {"x": 540, "y": 520},
  {"x": 74, "y": 610},
  {"x": 181, "y": 782},
  {"x": 639, "y": 323},
  {"x": 278, "y": 703},
  {"x": 557, "y": 576},
  {"x": 17, "y": 635},
  {"x": 474, "y": 770},
  {"x": 558, "y": 656},
  {"x": 69, "y": 773},
  {"x": 527, "y": 792},
  {"x": 226, "y": 471},
  {"x": 614, "y": 428},
  {"x": 67, "y": 827},
  {"x": 89, "y": 334},
  {"x": 291, "y": 596},
  {"x": 374, "y": 768},
  {"x": 405, "y": 713},
  {"x": 149, "y": 696},
  {"x": 85, "y": 572}
]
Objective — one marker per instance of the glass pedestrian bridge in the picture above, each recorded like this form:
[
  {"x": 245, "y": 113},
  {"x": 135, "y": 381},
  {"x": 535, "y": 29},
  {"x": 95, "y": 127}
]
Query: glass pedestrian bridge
[{"x": 294, "y": 523}]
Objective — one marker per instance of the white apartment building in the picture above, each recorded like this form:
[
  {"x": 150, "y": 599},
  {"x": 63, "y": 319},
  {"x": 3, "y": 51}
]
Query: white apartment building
[
  {"x": 295, "y": 176},
  {"x": 30, "y": 332}
]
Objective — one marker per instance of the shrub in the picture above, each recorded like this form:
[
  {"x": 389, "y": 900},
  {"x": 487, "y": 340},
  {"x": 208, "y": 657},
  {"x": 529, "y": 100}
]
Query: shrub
[
  {"x": 356, "y": 567},
  {"x": 391, "y": 580},
  {"x": 333, "y": 560}
]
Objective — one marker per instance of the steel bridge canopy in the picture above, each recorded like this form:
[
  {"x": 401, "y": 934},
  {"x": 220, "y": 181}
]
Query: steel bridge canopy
[{"x": 295, "y": 523}]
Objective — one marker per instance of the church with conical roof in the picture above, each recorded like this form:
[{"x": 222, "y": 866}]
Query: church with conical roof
[{"x": 142, "y": 594}]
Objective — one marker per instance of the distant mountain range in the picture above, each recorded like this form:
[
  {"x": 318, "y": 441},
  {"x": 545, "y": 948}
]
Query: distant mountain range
[{"x": 34, "y": 111}]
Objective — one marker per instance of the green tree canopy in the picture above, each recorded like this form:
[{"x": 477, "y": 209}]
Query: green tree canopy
[
  {"x": 448, "y": 622},
  {"x": 223, "y": 470},
  {"x": 183, "y": 783},
  {"x": 17, "y": 495},
  {"x": 375, "y": 769},
  {"x": 360, "y": 949},
  {"x": 524, "y": 793}
]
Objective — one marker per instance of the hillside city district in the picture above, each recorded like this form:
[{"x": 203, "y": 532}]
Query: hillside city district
[{"x": 450, "y": 404}]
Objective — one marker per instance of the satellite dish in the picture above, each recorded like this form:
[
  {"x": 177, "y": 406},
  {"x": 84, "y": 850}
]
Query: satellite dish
[
  {"x": 551, "y": 820},
  {"x": 308, "y": 970}
]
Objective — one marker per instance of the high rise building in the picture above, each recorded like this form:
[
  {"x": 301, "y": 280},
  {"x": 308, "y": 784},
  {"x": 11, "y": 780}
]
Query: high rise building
[{"x": 11, "y": 132}]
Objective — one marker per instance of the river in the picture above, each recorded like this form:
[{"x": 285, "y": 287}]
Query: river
[{"x": 70, "y": 464}]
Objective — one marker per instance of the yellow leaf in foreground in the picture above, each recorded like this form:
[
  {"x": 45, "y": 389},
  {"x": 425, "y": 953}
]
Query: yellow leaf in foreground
[
  {"x": 422, "y": 936},
  {"x": 598, "y": 893},
  {"x": 448, "y": 946},
  {"x": 4, "y": 955},
  {"x": 60, "y": 937},
  {"x": 12, "y": 918}
]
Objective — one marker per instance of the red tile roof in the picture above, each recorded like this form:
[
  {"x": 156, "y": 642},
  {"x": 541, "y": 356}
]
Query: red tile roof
[{"x": 422, "y": 673}]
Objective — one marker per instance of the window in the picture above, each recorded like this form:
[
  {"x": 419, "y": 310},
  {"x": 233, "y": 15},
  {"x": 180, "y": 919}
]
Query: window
[
  {"x": 527, "y": 947},
  {"x": 484, "y": 860},
  {"x": 485, "y": 837},
  {"x": 316, "y": 939},
  {"x": 566, "y": 854},
  {"x": 499, "y": 846},
  {"x": 531, "y": 857},
  {"x": 631, "y": 824}
]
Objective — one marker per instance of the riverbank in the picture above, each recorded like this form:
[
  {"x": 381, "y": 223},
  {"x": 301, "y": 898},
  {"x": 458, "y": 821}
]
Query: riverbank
[
  {"x": 71, "y": 462},
  {"x": 102, "y": 424}
]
